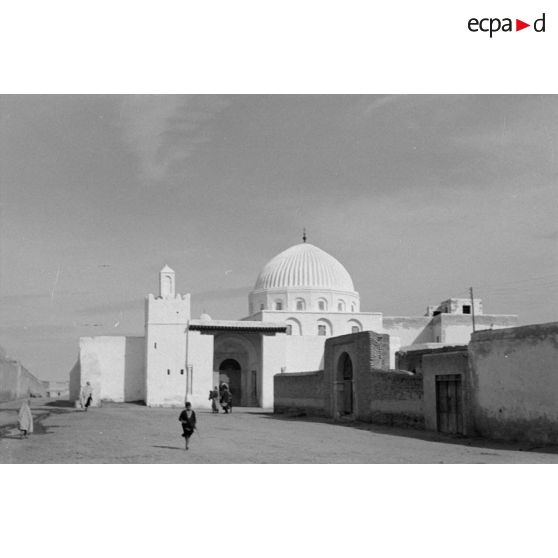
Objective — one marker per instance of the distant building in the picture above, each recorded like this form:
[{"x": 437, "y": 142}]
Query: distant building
[
  {"x": 302, "y": 297},
  {"x": 456, "y": 306},
  {"x": 57, "y": 389}
]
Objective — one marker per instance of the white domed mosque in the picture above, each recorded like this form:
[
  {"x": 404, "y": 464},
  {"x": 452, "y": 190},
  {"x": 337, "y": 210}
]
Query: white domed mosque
[{"x": 302, "y": 297}]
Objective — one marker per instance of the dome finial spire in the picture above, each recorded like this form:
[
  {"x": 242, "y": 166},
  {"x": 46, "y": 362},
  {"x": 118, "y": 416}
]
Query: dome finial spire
[{"x": 304, "y": 234}]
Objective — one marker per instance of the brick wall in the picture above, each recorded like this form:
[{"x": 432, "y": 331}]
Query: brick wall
[
  {"x": 380, "y": 395},
  {"x": 299, "y": 393},
  {"x": 366, "y": 349},
  {"x": 390, "y": 397}
]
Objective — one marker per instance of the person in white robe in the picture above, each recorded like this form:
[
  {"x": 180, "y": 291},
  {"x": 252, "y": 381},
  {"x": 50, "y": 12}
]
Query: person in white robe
[{"x": 25, "y": 419}]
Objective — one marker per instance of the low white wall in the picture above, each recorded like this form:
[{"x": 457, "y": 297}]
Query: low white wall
[
  {"x": 114, "y": 366},
  {"x": 273, "y": 360},
  {"x": 409, "y": 330}
]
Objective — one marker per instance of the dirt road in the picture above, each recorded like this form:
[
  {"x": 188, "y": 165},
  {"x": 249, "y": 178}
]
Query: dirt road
[{"x": 127, "y": 433}]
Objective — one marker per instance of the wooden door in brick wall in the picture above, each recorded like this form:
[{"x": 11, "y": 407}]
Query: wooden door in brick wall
[
  {"x": 345, "y": 398},
  {"x": 449, "y": 408}
]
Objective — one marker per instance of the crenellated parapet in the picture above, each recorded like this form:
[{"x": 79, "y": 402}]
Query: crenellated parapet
[{"x": 171, "y": 310}]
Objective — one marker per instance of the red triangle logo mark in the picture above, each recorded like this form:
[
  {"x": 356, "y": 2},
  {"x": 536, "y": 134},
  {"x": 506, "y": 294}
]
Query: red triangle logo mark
[{"x": 519, "y": 25}]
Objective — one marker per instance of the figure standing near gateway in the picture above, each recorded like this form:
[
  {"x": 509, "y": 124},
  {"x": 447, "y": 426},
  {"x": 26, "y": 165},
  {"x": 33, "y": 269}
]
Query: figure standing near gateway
[
  {"x": 226, "y": 399},
  {"x": 214, "y": 397}
]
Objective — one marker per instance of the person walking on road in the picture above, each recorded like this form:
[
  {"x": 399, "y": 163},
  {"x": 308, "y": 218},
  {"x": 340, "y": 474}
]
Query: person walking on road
[
  {"x": 25, "y": 420},
  {"x": 188, "y": 419}
]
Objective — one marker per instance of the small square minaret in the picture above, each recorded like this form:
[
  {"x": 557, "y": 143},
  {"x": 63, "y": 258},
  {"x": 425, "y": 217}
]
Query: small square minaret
[{"x": 166, "y": 325}]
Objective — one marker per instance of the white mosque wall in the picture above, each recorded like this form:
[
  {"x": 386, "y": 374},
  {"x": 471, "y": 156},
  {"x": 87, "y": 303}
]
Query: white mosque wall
[
  {"x": 200, "y": 366},
  {"x": 310, "y": 299},
  {"x": 337, "y": 323},
  {"x": 410, "y": 330},
  {"x": 166, "y": 365},
  {"x": 114, "y": 366},
  {"x": 273, "y": 362},
  {"x": 304, "y": 353}
]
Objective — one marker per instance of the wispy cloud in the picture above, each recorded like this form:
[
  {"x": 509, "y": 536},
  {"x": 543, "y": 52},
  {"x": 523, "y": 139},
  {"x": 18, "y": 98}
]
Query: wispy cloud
[
  {"x": 379, "y": 102},
  {"x": 164, "y": 130}
]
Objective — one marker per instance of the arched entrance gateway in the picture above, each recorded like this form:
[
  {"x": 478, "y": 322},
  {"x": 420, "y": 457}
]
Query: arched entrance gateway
[
  {"x": 235, "y": 360},
  {"x": 345, "y": 398},
  {"x": 230, "y": 373}
]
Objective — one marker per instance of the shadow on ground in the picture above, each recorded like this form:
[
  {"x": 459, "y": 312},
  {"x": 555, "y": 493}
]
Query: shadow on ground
[
  {"x": 61, "y": 403},
  {"x": 8, "y": 431},
  {"x": 423, "y": 435},
  {"x": 40, "y": 413}
]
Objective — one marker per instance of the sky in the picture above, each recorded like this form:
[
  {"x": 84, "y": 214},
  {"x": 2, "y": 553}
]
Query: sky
[{"x": 420, "y": 197}]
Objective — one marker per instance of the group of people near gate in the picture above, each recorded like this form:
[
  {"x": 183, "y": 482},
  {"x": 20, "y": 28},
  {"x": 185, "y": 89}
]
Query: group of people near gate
[{"x": 223, "y": 395}]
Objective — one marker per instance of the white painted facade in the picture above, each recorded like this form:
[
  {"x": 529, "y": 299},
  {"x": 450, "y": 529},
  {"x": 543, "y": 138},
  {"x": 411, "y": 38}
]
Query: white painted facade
[{"x": 302, "y": 297}]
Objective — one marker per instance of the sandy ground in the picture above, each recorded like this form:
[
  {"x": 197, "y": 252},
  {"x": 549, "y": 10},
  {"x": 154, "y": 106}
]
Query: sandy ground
[{"x": 128, "y": 433}]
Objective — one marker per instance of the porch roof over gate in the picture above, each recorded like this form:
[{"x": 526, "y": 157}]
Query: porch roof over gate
[{"x": 237, "y": 325}]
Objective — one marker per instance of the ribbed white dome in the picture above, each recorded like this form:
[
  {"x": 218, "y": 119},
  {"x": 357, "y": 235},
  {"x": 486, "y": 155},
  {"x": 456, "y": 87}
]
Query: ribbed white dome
[{"x": 304, "y": 266}]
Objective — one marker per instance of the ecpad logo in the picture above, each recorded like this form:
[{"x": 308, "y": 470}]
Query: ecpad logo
[{"x": 493, "y": 25}]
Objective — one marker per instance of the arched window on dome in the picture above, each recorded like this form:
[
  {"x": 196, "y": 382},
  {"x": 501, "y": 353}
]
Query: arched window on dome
[
  {"x": 300, "y": 304},
  {"x": 354, "y": 326},
  {"x": 340, "y": 306},
  {"x": 293, "y": 327},
  {"x": 324, "y": 328},
  {"x": 322, "y": 304},
  {"x": 353, "y": 307}
]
